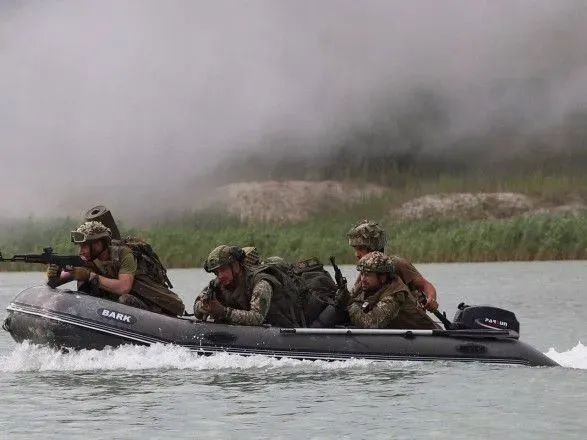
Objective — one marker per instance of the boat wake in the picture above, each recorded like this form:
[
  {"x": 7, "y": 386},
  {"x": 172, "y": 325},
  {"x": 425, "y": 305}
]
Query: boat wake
[
  {"x": 30, "y": 357},
  {"x": 576, "y": 357}
]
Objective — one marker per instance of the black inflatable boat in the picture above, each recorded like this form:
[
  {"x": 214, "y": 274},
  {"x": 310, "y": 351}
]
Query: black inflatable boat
[{"x": 68, "y": 319}]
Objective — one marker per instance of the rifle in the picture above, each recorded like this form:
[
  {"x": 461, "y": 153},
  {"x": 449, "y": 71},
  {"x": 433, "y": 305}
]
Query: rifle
[
  {"x": 340, "y": 280},
  {"x": 48, "y": 257},
  {"x": 334, "y": 314},
  {"x": 211, "y": 291},
  {"x": 208, "y": 294}
]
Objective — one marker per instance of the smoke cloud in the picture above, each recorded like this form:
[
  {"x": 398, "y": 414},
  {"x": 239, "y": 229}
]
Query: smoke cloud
[{"x": 122, "y": 103}]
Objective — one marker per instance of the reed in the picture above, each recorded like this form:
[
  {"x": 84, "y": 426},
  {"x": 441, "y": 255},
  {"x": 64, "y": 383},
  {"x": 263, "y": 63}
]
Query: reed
[
  {"x": 537, "y": 237},
  {"x": 185, "y": 241}
]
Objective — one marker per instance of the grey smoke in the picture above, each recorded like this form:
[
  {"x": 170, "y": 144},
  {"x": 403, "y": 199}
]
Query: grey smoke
[{"x": 121, "y": 102}]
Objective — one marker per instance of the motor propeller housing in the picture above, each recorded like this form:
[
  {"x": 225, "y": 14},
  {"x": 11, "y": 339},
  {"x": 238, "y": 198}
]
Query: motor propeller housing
[{"x": 485, "y": 317}]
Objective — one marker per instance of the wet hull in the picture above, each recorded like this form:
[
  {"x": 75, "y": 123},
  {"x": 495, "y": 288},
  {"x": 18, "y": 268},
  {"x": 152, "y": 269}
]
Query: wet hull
[{"x": 65, "y": 319}]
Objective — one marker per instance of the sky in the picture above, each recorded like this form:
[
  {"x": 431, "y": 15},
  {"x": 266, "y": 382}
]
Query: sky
[{"x": 120, "y": 102}]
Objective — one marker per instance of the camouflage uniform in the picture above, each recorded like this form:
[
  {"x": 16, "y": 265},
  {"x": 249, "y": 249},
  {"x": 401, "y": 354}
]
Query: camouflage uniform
[
  {"x": 370, "y": 235},
  {"x": 392, "y": 306},
  {"x": 239, "y": 309},
  {"x": 258, "y": 297},
  {"x": 122, "y": 261}
]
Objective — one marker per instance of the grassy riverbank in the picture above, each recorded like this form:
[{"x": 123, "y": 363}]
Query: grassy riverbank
[
  {"x": 185, "y": 241},
  {"x": 540, "y": 237}
]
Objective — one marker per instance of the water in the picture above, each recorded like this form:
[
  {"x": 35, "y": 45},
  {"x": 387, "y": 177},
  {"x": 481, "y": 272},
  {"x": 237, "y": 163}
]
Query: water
[{"x": 157, "y": 392}]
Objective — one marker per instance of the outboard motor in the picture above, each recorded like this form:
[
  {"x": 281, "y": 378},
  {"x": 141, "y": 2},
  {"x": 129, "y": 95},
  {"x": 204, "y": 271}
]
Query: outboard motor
[{"x": 485, "y": 317}]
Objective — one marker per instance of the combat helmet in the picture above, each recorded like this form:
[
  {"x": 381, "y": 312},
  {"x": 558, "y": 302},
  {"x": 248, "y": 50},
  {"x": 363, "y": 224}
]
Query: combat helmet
[
  {"x": 376, "y": 262},
  {"x": 223, "y": 255},
  {"x": 89, "y": 232},
  {"x": 367, "y": 233}
]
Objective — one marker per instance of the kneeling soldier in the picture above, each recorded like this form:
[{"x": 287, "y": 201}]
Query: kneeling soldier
[
  {"x": 246, "y": 296},
  {"x": 382, "y": 300}
]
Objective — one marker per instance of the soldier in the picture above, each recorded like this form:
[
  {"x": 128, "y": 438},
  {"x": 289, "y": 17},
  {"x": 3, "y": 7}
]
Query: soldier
[
  {"x": 383, "y": 301},
  {"x": 114, "y": 277},
  {"x": 246, "y": 296},
  {"x": 367, "y": 236}
]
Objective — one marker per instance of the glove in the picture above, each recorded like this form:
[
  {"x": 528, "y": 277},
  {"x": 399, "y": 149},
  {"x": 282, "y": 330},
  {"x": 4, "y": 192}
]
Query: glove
[
  {"x": 342, "y": 297},
  {"x": 80, "y": 274},
  {"x": 215, "y": 308},
  {"x": 211, "y": 291},
  {"x": 53, "y": 271},
  {"x": 431, "y": 304},
  {"x": 213, "y": 286}
]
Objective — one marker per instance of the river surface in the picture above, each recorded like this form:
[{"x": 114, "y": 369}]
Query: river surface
[{"x": 169, "y": 392}]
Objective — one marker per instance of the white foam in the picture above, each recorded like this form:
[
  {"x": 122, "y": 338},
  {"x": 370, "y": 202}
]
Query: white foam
[
  {"x": 576, "y": 357},
  {"x": 30, "y": 357}
]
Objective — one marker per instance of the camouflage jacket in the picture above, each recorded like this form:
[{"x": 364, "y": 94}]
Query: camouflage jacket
[
  {"x": 391, "y": 307},
  {"x": 259, "y": 297}
]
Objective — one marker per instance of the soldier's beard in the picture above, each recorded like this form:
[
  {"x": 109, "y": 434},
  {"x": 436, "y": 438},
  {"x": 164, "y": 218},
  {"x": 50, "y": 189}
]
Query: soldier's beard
[
  {"x": 370, "y": 290},
  {"x": 230, "y": 286},
  {"x": 234, "y": 282}
]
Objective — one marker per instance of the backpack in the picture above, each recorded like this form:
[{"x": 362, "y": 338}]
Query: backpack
[
  {"x": 321, "y": 287},
  {"x": 147, "y": 260},
  {"x": 289, "y": 290}
]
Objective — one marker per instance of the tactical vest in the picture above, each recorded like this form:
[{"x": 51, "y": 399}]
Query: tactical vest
[
  {"x": 410, "y": 315},
  {"x": 148, "y": 261},
  {"x": 284, "y": 310},
  {"x": 145, "y": 286}
]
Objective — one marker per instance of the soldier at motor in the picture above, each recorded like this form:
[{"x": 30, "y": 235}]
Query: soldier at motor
[
  {"x": 367, "y": 236},
  {"x": 381, "y": 299}
]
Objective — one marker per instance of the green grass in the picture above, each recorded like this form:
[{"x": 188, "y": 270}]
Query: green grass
[
  {"x": 186, "y": 241},
  {"x": 540, "y": 237}
]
